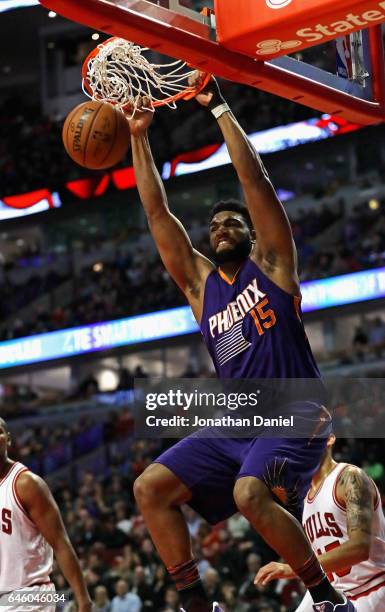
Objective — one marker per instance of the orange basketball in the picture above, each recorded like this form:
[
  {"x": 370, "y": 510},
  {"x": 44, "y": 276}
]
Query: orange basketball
[{"x": 96, "y": 135}]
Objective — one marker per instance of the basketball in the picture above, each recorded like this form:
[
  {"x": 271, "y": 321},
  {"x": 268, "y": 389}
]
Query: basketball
[{"x": 96, "y": 135}]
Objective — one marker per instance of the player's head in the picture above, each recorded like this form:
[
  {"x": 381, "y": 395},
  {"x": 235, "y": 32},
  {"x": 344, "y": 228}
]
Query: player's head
[
  {"x": 328, "y": 453},
  {"x": 231, "y": 231},
  {"x": 5, "y": 439}
]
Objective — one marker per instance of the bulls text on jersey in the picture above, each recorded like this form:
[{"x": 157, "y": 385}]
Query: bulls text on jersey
[{"x": 320, "y": 524}]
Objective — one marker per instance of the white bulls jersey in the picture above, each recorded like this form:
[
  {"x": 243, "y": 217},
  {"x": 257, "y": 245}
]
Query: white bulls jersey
[
  {"x": 324, "y": 520},
  {"x": 25, "y": 556}
]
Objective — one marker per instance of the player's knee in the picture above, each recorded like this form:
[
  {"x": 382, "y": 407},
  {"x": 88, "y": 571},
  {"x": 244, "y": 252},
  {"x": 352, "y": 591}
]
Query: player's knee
[
  {"x": 252, "y": 498},
  {"x": 156, "y": 486},
  {"x": 147, "y": 488}
]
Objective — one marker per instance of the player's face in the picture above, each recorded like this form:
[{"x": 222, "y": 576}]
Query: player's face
[{"x": 230, "y": 236}]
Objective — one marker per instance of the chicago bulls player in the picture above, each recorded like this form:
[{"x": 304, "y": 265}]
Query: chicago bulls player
[
  {"x": 345, "y": 524},
  {"x": 31, "y": 531}
]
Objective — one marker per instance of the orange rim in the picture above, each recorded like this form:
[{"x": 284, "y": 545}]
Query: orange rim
[{"x": 186, "y": 94}]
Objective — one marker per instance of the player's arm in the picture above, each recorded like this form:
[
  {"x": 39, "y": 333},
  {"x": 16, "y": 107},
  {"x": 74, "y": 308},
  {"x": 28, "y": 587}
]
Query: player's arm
[
  {"x": 40, "y": 506},
  {"x": 187, "y": 267},
  {"x": 355, "y": 491},
  {"x": 275, "y": 242}
]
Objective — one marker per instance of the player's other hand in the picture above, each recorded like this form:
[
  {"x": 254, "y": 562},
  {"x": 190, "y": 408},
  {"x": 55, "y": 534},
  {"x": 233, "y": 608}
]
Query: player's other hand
[
  {"x": 273, "y": 571},
  {"x": 140, "y": 121},
  {"x": 207, "y": 94}
]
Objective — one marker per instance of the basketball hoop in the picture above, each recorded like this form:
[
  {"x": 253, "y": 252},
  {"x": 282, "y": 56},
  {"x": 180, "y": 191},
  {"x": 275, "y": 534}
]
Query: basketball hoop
[
  {"x": 225, "y": 44},
  {"x": 118, "y": 72}
]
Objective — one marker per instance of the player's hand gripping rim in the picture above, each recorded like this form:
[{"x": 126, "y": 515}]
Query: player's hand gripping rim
[
  {"x": 139, "y": 116},
  {"x": 210, "y": 96}
]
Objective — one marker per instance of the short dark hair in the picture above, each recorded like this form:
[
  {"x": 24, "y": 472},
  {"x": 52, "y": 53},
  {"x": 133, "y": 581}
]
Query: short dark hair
[{"x": 234, "y": 206}]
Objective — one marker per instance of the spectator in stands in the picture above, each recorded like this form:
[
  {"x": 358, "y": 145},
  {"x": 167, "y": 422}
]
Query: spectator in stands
[
  {"x": 211, "y": 582},
  {"x": 159, "y": 586},
  {"x": 111, "y": 535},
  {"x": 253, "y": 561},
  {"x": 102, "y": 602},
  {"x": 125, "y": 601},
  {"x": 141, "y": 585},
  {"x": 377, "y": 335},
  {"x": 171, "y": 600},
  {"x": 360, "y": 338},
  {"x": 229, "y": 598}
]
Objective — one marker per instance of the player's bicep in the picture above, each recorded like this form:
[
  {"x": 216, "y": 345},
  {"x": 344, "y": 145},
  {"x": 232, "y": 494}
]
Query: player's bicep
[
  {"x": 39, "y": 504},
  {"x": 359, "y": 501},
  {"x": 271, "y": 224}
]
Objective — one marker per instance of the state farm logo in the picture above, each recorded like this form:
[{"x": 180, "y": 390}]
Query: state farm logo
[
  {"x": 319, "y": 32},
  {"x": 277, "y": 4},
  {"x": 267, "y": 47}
]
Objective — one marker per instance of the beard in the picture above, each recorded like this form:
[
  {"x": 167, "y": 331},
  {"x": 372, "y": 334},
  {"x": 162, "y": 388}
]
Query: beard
[{"x": 239, "y": 252}]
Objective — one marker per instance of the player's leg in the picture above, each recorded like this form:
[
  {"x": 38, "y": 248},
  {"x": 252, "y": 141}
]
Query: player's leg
[
  {"x": 194, "y": 471},
  {"x": 282, "y": 469},
  {"x": 159, "y": 495}
]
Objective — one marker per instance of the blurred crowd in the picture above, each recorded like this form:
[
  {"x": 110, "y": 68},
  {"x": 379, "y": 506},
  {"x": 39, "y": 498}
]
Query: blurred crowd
[
  {"x": 21, "y": 294},
  {"x": 360, "y": 241},
  {"x": 121, "y": 567},
  {"x": 367, "y": 346},
  {"x": 136, "y": 282},
  {"x": 32, "y": 155}
]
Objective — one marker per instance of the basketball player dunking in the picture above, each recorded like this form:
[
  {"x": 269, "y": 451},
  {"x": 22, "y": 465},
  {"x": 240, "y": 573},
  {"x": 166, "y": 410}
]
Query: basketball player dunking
[
  {"x": 248, "y": 309},
  {"x": 31, "y": 531},
  {"x": 345, "y": 524}
]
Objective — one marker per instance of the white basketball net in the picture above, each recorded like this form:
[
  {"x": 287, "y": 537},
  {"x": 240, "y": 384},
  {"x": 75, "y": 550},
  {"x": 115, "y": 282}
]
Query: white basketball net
[{"x": 122, "y": 75}]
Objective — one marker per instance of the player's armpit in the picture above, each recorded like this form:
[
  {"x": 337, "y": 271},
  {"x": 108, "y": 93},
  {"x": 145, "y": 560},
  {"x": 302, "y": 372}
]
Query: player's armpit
[
  {"x": 356, "y": 491},
  {"x": 186, "y": 265}
]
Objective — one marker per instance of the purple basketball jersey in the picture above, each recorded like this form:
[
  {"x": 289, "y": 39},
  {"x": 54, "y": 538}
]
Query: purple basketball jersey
[{"x": 254, "y": 329}]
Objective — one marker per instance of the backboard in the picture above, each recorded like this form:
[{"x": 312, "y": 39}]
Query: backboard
[{"x": 172, "y": 28}]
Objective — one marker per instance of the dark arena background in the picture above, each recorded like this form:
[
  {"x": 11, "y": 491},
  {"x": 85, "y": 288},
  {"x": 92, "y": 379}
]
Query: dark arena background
[{"x": 87, "y": 306}]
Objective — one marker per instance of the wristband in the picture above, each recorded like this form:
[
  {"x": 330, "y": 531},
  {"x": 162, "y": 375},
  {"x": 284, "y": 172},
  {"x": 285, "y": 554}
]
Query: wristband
[{"x": 218, "y": 111}]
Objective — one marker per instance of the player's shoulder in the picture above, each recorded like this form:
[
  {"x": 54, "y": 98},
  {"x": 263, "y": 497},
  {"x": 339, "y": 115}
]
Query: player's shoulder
[
  {"x": 29, "y": 484},
  {"x": 352, "y": 473},
  {"x": 353, "y": 480}
]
